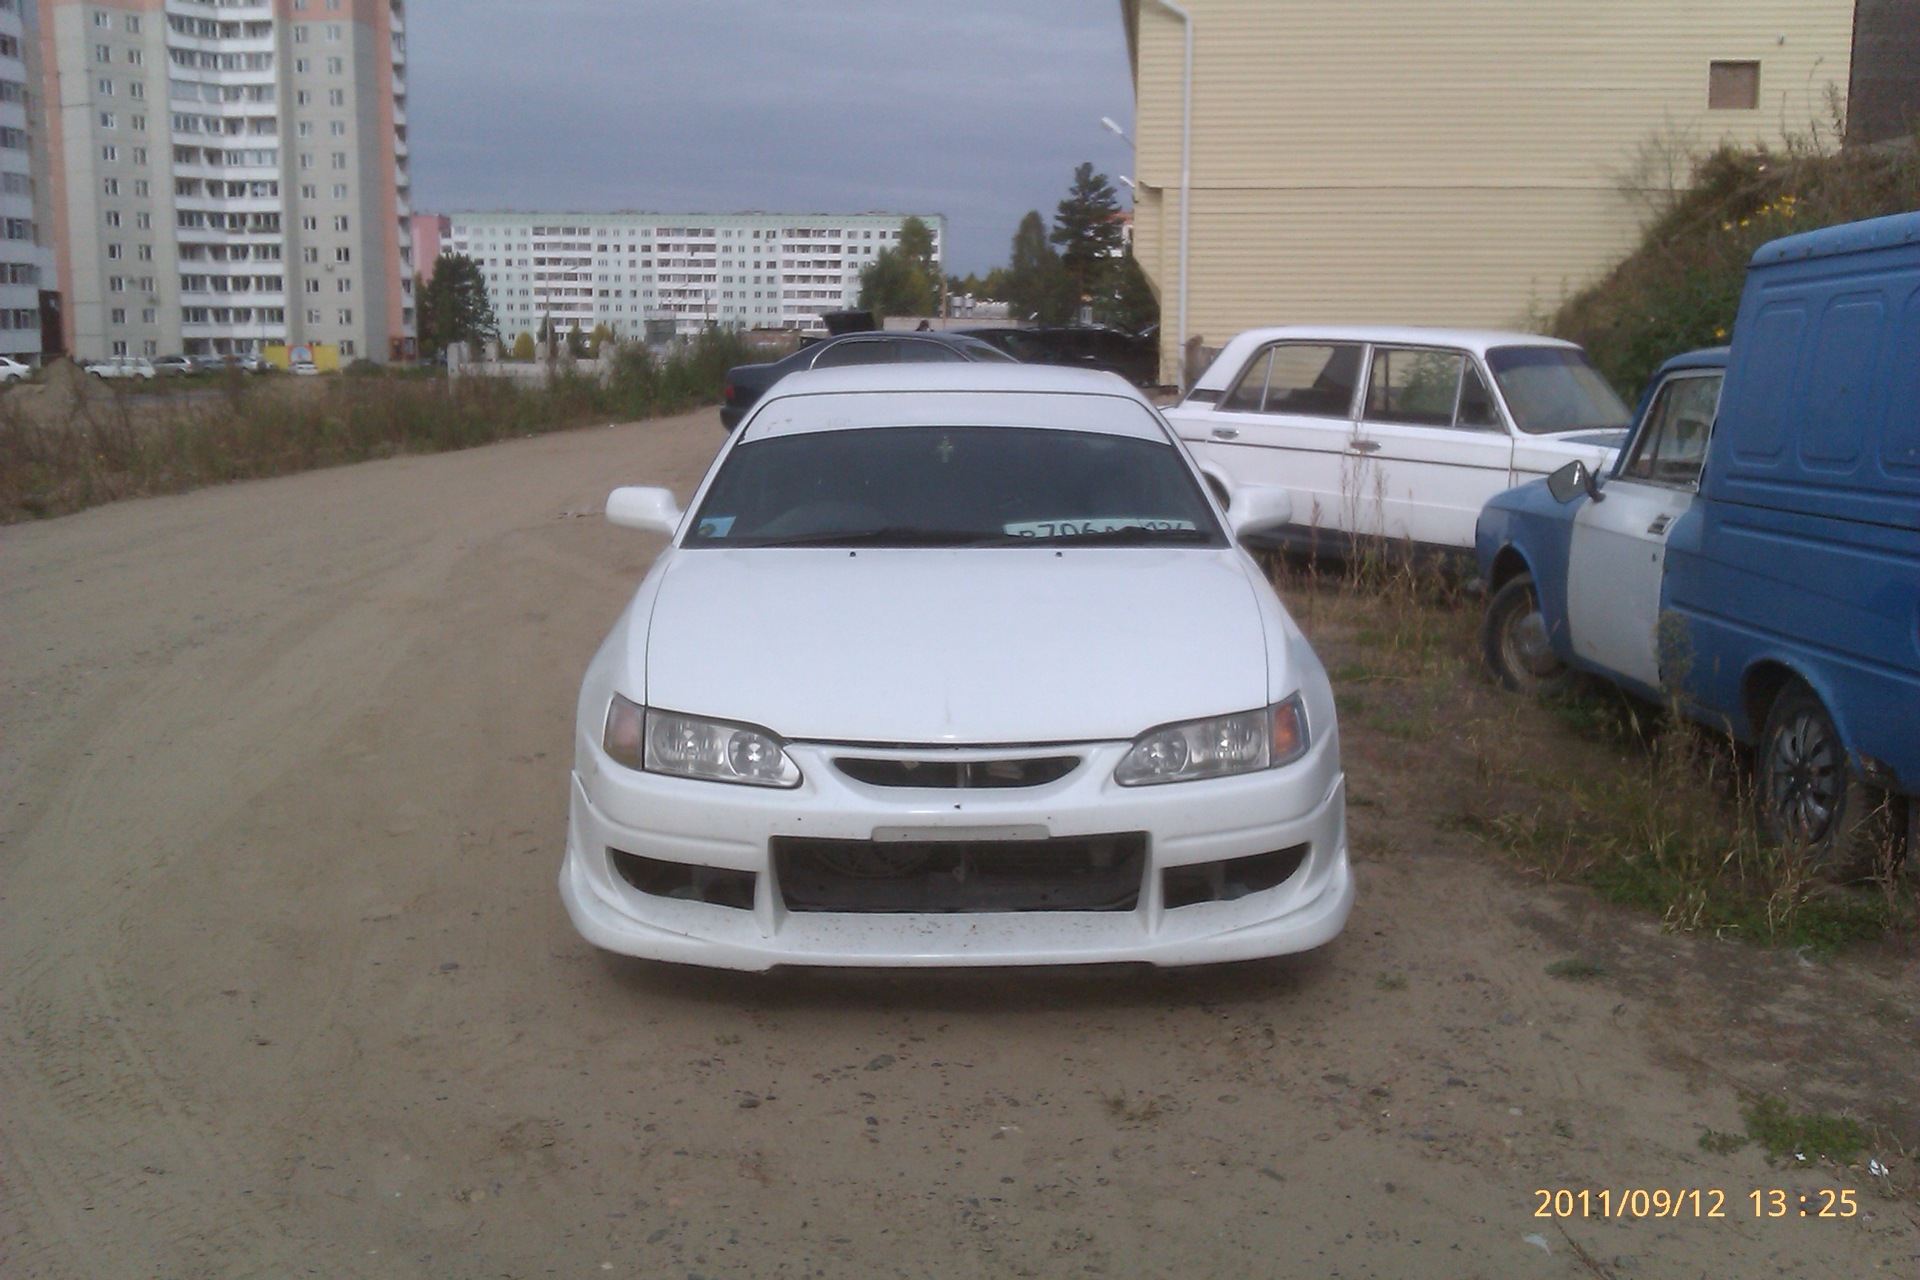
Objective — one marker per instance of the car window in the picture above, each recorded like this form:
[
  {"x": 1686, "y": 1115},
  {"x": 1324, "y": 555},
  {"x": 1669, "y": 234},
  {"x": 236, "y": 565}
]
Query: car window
[
  {"x": 1414, "y": 386},
  {"x": 1551, "y": 389},
  {"x": 841, "y": 354},
  {"x": 1250, "y": 392},
  {"x": 1305, "y": 378},
  {"x": 1673, "y": 444},
  {"x": 912, "y": 352},
  {"x": 953, "y": 486},
  {"x": 1476, "y": 403},
  {"x": 984, "y": 352}
]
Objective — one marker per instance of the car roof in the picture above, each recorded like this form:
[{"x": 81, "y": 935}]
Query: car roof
[
  {"x": 857, "y": 396},
  {"x": 1479, "y": 341},
  {"x": 1704, "y": 358}
]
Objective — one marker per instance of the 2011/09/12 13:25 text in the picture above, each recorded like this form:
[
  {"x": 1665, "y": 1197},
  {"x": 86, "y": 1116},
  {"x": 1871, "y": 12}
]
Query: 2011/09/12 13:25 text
[{"x": 1694, "y": 1202}]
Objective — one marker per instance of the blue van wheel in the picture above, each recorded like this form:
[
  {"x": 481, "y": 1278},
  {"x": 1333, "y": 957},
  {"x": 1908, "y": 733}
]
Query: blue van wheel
[
  {"x": 1812, "y": 797},
  {"x": 1513, "y": 639}
]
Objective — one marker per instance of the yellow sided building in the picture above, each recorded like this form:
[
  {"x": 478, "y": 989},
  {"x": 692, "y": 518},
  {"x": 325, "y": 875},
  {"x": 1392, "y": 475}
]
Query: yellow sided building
[{"x": 1454, "y": 162}]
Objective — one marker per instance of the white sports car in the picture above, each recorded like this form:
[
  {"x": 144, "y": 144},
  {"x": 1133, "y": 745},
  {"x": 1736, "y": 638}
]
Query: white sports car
[{"x": 955, "y": 665}]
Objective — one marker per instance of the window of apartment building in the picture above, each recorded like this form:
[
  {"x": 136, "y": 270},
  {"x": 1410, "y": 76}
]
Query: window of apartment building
[
  {"x": 149, "y": 316},
  {"x": 305, "y": 129},
  {"x": 301, "y": 66},
  {"x": 101, "y": 53},
  {"x": 302, "y": 98},
  {"x": 111, "y": 186},
  {"x": 116, "y": 284},
  {"x": 310, "y": 254},
  {"x": 106, "y": 88},
  {"x": 336, "y": 97},
  {"x": 133, "y": 24},
  {"x": 144, "y": 252},
  {"x": 334, "y": 32},
  {"x": 117, "y": 316},
  {"x": 139, "y": 125},
  {"x": 343, "y": 285},
  {"x": 110, "y": 153},
  {"x": 137, "y": 88},
  {"x": 300, "y": 34},
  {"x": 139, "y": 155},
  {"x": 106, "y": 120},
  {"x": 143, "y": 221},
  {"x": 119, "y": 348},
  {"x": 336, "y": 65},
  {"x": 313, "y": 315},
  {"x": 309, "y": 223},
  {"x": 309, "y": 192},
  {"x": 113, "y": 253},
  {"x": 312, "y": 285},
  {"x": 113, "y": 217},
  {"x": 339, "y": 159},
  {"x": 339, "y": 191},
  {"x": 1733, "y": 86},
  {"x": 306, "y": 159},
  {"x": 340, "y": 222},
  {"x": 343, "y": 254},
  {"x": 338, "y": 128},
  {"x": 141, "y": 187}
]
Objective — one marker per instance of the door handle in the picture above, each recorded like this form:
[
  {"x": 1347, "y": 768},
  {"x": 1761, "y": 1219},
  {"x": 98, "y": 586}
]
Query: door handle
[
  {"x": 1364, "y": 446},
  {"x": 1659, "y": 525},
  {"x": 1226, "y": 433}
]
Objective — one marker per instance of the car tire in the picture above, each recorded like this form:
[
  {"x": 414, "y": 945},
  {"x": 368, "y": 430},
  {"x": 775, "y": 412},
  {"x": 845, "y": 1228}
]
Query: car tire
[
  {"x": 1811, "y": 796},
  {"x": 1513, "y": 638}
]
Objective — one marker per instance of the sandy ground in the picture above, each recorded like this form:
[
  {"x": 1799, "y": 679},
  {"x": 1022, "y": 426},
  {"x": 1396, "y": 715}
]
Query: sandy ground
[{"x": 286, "y": 989}]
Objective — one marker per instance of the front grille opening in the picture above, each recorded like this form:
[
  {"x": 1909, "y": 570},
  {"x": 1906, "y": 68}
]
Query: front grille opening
[
  {"x": 715, "y": 886},
  {"x": 1234, "y": 878},
  {"x": 957, "y": 774},
  {"x": 1083, "y": 873}
]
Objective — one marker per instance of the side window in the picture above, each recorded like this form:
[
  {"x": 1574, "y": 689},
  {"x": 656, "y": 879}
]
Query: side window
[
  {"x": 1251, "y": 390},
  {"x": 1313, "y": 380},
  {"x": 1672, "y": 445},
  {"x": 1476, "y": 403},
  {"x": 845, "y": 353},
  {"x": 912, "y": 352},
  {"x": 1413, "y": 386}
]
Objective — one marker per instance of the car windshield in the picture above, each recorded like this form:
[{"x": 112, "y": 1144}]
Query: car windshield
[
  {"x": 1553, "y": 389},
  {"x": 954, "y": 486}
]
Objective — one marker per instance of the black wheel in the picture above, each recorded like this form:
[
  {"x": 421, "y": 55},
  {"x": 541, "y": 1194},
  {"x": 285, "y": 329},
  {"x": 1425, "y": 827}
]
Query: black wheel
[
  {"x": 1513, "y": 636},
  {"x": 1811, "y": 796}
]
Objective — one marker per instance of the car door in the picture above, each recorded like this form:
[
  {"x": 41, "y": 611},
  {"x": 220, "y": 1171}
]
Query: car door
[
  {"x": 1287, "y": 421},
  {"x": 1619, "y": 543},
  {"x": 1431, "y": 446}
]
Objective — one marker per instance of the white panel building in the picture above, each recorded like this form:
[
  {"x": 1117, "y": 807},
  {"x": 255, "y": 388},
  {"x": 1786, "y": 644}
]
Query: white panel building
[
  {"x": 26, "y": 264},
  {"x": 228, "y": 174},
  {"x": 734, "y": 270}
]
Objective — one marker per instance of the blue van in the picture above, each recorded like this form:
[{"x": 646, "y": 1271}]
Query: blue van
[{"x": 1775, "y": 586}]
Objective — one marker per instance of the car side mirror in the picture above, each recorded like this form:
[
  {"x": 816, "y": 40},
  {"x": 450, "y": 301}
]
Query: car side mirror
[
  {"x": 648, "y": 510},
  {"x": 1258, "y": 508},
  {"x": 1572, "y": 480}
]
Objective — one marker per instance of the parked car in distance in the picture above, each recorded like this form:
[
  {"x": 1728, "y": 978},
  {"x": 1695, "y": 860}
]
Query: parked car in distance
[
  {"x": 1766, "y": 577},
  {"x": 174, "y": 366},
  {"x": 1136, "y": 359},
  {"x": 304, "y": 368},
  {"x": 121, "y": 367},
  {"x": 746, "y": 383},
  {"x": 12, "y": 370},
  {"x": 1394, "y": 432},
  {"x": 913, "y": 683}
]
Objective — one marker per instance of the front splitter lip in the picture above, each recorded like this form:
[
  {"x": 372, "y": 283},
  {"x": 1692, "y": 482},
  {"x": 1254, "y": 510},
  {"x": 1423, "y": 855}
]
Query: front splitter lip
[{"x": 1304, "y": 913}]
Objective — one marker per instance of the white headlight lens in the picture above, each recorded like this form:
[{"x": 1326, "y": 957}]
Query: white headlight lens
[
  {"x": 688, "y": 747},
  {"x": 1218, "y": 747}
]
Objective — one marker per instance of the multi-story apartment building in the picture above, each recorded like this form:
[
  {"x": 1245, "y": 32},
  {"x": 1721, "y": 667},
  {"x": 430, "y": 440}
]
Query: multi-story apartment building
[
  {"x": 230, "y": 174},
  {"x": 26, "y": 265},
  {"x": 736, "y": 270}
]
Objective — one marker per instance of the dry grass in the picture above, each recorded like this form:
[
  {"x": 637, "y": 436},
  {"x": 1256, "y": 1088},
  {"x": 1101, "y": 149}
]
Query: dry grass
[{"x": 100, "y": 448}]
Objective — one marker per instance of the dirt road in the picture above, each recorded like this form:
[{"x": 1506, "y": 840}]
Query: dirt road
[{"x": 286, "y": 989}]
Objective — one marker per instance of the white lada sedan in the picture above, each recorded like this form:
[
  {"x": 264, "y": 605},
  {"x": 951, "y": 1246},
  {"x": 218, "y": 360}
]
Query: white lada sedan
[{"x": 955, "y": 665}]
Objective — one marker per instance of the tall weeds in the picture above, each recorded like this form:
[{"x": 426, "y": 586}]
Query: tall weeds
[{"x": 129, "y": 444}]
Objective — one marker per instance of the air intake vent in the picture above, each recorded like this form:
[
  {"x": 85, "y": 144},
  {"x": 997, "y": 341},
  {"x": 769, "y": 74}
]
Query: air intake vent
[{"x": 1028, "y": 771}]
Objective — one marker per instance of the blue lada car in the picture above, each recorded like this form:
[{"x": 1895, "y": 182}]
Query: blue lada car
[{"x": 1754, "y": 552}]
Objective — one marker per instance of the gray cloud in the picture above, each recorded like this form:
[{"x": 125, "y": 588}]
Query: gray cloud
[{"x": 978, "y": 109}]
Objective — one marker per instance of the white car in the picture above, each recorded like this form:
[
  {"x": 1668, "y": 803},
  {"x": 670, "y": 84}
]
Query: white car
[
  {"x": 305, "y": 368},
  {"x": 1397, "y": 432},
  {"x": 12, "y": 370},
  {"x": 121, "y": 367},
  {"x": 955, "y": 665}
]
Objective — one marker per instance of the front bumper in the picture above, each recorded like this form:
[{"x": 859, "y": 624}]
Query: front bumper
[{"x": 722, "y": 826}]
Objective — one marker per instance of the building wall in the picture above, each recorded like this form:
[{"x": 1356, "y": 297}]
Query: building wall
[
  {"x": 26, "y": 264},
  {"x": 228, "y": 174},
  {"x": 1414, "y": 161},
  {"x": 1884, "y": 101},
  {"x": 738, "y": 271}
]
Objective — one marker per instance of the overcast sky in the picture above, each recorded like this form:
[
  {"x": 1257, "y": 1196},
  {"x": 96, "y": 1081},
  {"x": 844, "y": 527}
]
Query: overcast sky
[{"x": 977, "y": 109}]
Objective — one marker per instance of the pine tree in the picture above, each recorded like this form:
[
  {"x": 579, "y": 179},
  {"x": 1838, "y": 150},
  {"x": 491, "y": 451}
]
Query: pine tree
[
  {"x": 1036, "y": 284},
  {"x": 1086, "y": 226},
  {"x": 452, "y": 306}
]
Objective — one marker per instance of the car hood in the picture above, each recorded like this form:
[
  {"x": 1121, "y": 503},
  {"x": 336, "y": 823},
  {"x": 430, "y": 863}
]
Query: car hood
[{"x": 986, "y": 645}]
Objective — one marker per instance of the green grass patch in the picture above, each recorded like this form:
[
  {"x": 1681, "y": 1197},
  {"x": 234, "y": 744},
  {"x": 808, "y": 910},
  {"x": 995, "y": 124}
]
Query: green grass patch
[
  {"x": 1783, "y": 1134},
  {"x": 1717, "y": 1143}
]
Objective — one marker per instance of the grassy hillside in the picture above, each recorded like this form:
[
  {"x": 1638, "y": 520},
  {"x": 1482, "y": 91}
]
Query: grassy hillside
[{"x": 1681, "y": 287}]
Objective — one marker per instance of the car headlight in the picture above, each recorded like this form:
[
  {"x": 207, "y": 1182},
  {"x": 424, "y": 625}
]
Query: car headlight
[
  {"x": 689, "y": 747},
  {"x": 1217, "y": 747}
]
